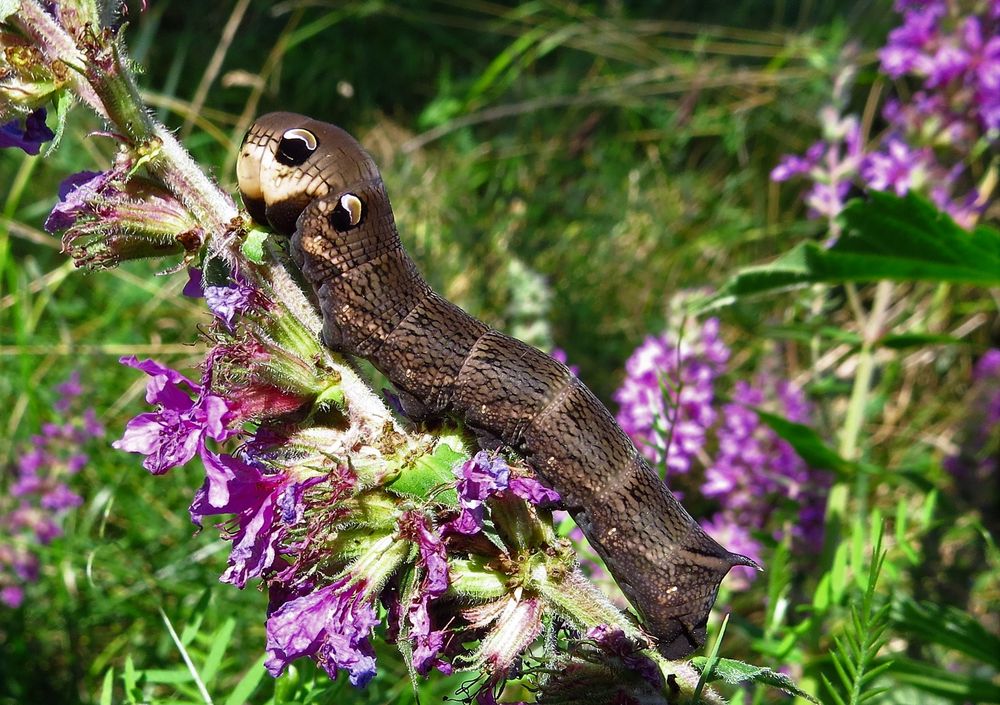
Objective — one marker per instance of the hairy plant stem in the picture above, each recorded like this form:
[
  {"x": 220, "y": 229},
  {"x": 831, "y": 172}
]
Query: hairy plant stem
[{"x": 56, "y": 44}]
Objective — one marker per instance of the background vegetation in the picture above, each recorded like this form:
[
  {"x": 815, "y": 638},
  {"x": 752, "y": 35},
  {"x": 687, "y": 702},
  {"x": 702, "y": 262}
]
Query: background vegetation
[{"x": 561, "y": 170}]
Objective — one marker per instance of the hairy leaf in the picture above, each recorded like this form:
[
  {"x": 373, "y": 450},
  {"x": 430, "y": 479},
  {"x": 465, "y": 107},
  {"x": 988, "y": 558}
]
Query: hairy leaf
[
  {"x": 885, "y": 237},
  {"x": 736, "y": 672}
]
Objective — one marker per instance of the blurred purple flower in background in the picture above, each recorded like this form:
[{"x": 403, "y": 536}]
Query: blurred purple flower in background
[
  {"x": 38, "y": 498},
  {"x": 671, "y": 396},
  {"x": 665, "y": 402},
  {"x": 951, "y": 55}
]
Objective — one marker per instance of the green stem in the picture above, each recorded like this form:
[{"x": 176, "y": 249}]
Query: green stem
[{"x": 863, "y": 375}]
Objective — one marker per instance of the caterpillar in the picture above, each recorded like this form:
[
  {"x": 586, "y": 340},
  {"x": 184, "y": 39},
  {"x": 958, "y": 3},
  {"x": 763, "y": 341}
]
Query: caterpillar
[{"x": 312, "y": 181}]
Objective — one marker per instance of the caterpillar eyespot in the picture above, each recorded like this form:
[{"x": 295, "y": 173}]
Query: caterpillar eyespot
[
  {"x": 296, "y": 145},
  {"x": 349, "y": 212},
  {"x": 444, "y": 361}
]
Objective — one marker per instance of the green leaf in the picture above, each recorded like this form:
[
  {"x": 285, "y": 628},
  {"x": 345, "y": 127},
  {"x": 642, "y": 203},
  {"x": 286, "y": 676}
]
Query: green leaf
[
  {"x": 736, "y": 672},
  {"x": 429, "y": 473},
  {"x": 220, "y": 642},
  {"x": 248, "y": 684},
  {"x": 108, "y": 687},
  {"x": 950, "y": 627},
  {"x": 959, "y": 687},
  {"x": 807, "y": 444},
  {"x": 253, "y": 245},
  {"x": 885, "y": 237},
  {"x": 916, "y": 340},
  {"x": 63, "y": 102}
]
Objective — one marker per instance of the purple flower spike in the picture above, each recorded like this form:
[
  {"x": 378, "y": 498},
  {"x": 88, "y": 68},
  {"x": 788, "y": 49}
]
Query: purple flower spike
[
  {"x": 27, "y": 136},
  {"x": 172, "y": 435},
  {"x": 332, "y": 625}
]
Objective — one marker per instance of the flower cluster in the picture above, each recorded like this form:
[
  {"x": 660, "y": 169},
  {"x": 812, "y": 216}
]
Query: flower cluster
[
  {"x": 670, "y": 406},
  {"x": 112, "y": 216},
  {"x": 665, "y": 401},
  {"x": 950, "y": 51},
  {"x": 38, "y": 497},
  {"x": 336, "y": 521}
]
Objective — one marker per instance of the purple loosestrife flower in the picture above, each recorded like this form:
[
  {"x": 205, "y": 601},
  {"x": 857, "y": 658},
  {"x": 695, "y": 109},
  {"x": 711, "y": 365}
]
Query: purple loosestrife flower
[
  {"x": 225, "y": 302},
  {"x": 427, "y": 642},
  {"x": 482, "y": 477},
  {"x": 173, "y": 434},
  {"x": 952, "y": 56},
  {"x": 27, "y": 134},
  {"x": 665, "y": 401},
  {"x": 110, "y": 217},
  {"x": 899, "y": 168},
  {"x": 264, "y": 505},
  {"x": 38, "y": 497},
  {"x": 332, "y": 625},
  {"x": 754, "y": 472}
]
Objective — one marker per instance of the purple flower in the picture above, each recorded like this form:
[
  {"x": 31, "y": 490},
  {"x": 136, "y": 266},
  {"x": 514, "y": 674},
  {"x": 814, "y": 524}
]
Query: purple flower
[
  {"x": 27, "y": 135},
  {"x": 482, "y": 477},
  {"x": 665, "y": 401},
  {"x": 754, "y": 472},
  {"x": 899, "y": 168},
  {"x": 478, "y": 478},
  {"x": 427, "y": 642},
  {"x": 264, "y": 505},
  {"x": 532, "y": 490},
  {"x": 68, "y": 391},
  {"x": 228, "y": 301},
  {"x": 194, "y": 289},
  {"x": 12, "y": 595},
  {"x": 613, "y": 642},
  {"x": 332, "y": 625},
  {"x": 75, "y": 193},
  {"x": 173, "y": 434}
]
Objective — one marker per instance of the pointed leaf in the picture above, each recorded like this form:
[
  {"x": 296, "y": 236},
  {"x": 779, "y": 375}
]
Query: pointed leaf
[
  {"x": 885, "y": 237},
  {"x": 735, "y": 672}
]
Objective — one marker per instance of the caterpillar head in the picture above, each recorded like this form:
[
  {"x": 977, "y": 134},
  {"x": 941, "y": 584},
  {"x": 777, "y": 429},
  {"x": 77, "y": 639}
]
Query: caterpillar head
[{"x": 287, "y": 161}]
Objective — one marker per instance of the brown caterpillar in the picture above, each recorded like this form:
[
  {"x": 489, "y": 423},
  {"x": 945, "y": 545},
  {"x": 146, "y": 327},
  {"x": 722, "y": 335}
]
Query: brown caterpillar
[{"x": 313, "y": 181}]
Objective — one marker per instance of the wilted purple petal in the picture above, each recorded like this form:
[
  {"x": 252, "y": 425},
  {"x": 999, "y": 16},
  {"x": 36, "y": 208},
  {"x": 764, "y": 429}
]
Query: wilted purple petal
[
  {"x": 228, "y": 301},
  {"x": 532, "y": 490},
  {"x": 612, "y": 641},
  {"x": 332, "y": 625},
  {"x": 27, "y": 135},
  {"x": 74, "y": 193}
]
